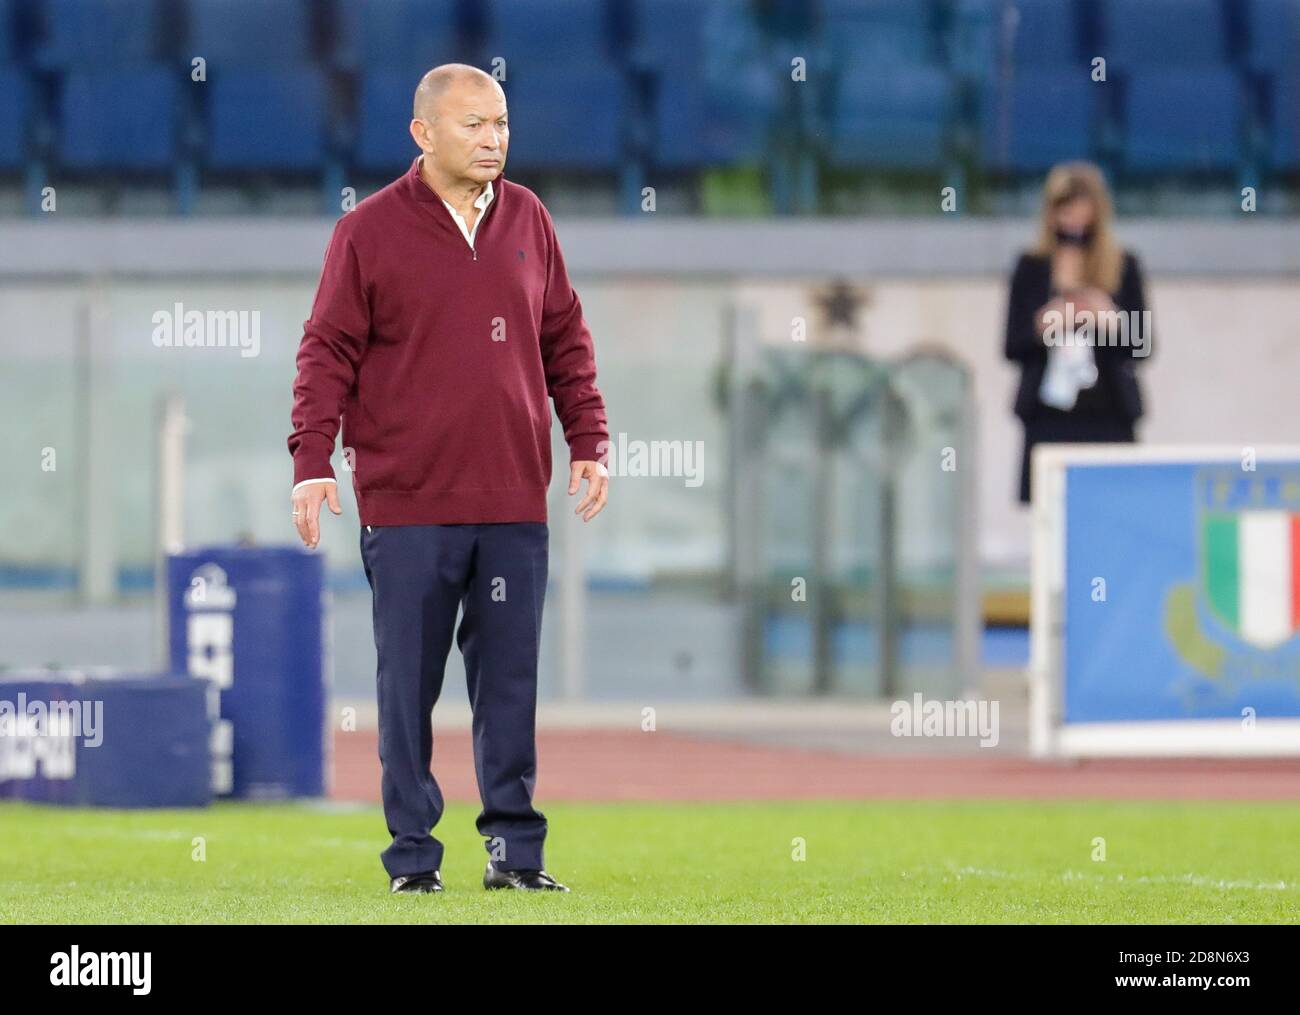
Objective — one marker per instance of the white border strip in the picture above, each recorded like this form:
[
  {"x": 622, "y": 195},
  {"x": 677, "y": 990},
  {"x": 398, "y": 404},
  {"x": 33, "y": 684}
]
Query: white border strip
[
  {"x": 1047, "y": 600},
  {"x": 1226, "y": 738},
  {"x": 1060, "y": 455}
]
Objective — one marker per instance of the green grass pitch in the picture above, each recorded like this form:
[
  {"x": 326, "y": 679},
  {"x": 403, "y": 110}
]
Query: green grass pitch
[{"x": 868, "y": 862}]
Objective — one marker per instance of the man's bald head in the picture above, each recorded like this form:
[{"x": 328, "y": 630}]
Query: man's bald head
[
  {"x": 441, "y": 79},
  {"x": 460, "y": 125}
]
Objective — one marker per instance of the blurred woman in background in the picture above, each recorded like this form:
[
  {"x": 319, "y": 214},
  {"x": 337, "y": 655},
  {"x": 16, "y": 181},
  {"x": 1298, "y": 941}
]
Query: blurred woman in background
[{"x": 1075, "y": 390}]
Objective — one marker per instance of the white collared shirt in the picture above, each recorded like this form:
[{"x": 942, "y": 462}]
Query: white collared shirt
[{"x": 481, "y": 202}]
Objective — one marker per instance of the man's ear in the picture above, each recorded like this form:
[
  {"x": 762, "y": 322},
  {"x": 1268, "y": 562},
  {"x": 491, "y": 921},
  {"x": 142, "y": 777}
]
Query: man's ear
[{"x": 420, "y": 134}]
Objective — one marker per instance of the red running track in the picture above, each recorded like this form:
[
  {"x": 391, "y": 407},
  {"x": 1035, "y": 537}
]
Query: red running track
[{"x": 602, "y": 765}]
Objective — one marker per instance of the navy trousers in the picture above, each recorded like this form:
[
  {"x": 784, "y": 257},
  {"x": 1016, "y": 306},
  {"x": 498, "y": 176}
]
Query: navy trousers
[{"x": 419, "y": 575}]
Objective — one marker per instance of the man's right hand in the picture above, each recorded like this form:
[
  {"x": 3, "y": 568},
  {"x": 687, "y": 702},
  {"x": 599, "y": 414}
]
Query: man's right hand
[{"x": 306, "y": 507}]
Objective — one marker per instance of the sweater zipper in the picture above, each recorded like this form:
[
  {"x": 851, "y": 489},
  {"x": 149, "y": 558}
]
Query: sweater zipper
[{"x": 478, "y": 226}]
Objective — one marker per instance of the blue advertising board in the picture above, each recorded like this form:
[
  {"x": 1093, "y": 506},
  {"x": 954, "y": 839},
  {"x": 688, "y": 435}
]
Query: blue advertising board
[
  {"x": 1196, "y": 618},
  {"x": 126, "y": 741},
  {"x": 251, "y": 621}
]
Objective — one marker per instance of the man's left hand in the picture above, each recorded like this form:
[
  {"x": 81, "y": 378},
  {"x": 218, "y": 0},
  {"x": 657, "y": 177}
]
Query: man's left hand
[{"x": 597, "y": 487}]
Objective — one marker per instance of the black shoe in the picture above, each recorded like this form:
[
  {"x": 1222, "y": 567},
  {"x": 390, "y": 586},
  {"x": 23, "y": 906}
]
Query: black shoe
[
  {"x": 430, "y": 881},
  {"x": 527, "y": 880}
]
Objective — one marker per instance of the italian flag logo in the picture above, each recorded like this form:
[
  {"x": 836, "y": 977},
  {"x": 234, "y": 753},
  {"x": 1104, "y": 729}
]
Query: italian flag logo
[{"x": 1252, "y": 573}]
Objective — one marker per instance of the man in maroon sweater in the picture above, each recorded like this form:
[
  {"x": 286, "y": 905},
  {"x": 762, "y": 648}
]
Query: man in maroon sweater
[{"x": 443, "y": 320}]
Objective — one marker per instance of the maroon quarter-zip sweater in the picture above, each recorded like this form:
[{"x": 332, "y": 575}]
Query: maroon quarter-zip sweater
[{"x": 438, "y": 360}]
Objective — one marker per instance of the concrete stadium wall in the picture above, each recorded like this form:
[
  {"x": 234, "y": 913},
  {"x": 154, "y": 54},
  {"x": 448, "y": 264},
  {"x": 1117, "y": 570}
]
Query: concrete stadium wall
[{"x": 1224, "y": 295}]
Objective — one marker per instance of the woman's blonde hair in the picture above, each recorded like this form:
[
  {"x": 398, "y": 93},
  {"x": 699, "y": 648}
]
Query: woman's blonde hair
[{"x": 1103, "y": 258}]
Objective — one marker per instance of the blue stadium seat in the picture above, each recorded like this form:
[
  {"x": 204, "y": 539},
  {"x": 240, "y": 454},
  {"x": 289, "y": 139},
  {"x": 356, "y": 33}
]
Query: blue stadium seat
[
  {"x": 700, "y": 123},
  {"x": 1026, "y": 33},
  {"x": 7, "y": 51},
  {"x": 1036, "y": 119},
  {"x": 383, "y": 112},
  {"x": 684, "y": 32},
  {"x": 120, "y": 119},
  {"x": 895, "y": 117},
  {"x": 663, "y": 30},
  {"x": 1183, "y": 121},
  {"x": 567, "y": 118},
  {"x": 567, "y": 31},
  {"x": 398, "y": 33},
  {"x": 1284, "y": 123},
  {"x": 714, "y": 85},
  {"x": 1273, "y": 34},
  {"x": 267, "y": 120},
  {"x": 250, "y": 33},
  {"x": 880, "y": 31},
  {"x": 14, "y": 106},
  {"x": 80, "y": 33},
  {"x": 1163, "y": 33}
]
